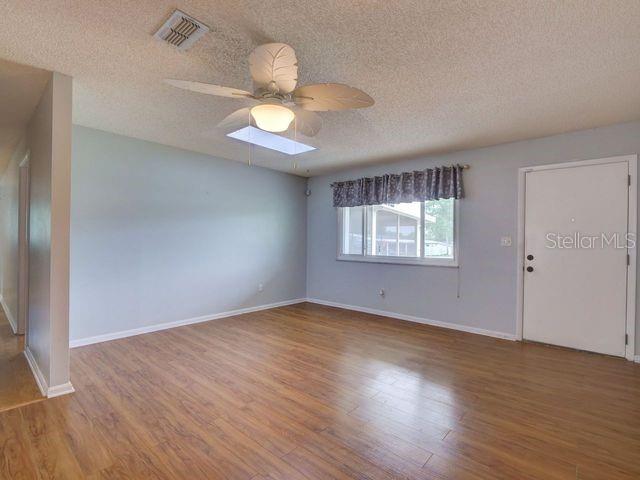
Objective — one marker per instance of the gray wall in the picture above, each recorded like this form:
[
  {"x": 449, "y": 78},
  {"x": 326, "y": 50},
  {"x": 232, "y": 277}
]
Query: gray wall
[
  {"x": 160, "y": 234},
  {"x": 49, "y": 141},
  {"x": 487, "y": 274}
]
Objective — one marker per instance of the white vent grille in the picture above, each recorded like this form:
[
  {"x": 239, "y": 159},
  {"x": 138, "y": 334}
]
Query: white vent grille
[{"x": 181, "y": 30}]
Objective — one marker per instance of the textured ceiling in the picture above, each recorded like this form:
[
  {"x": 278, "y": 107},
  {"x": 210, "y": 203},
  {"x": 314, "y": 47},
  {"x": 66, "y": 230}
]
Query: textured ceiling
[
  {"x": 446, "y": 75},
  {"x": 20, "y": 91}
]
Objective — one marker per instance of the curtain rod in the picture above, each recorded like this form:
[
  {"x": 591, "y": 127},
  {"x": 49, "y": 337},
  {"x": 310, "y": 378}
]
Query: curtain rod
[{"x": 466, "y": 166}]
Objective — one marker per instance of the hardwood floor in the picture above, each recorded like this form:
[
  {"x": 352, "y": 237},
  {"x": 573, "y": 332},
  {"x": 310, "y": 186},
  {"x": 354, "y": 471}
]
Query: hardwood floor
[
  {"x": 17, "y": 385},
  {"x": 312, "y": 392}
]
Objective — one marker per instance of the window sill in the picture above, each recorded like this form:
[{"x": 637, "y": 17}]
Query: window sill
[{"x": 427, "y": 262}]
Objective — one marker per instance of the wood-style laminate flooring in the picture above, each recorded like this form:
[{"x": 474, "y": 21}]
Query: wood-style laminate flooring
[
  {"x": 313, "y": 392},
  {"x": 17, "y": 385}
]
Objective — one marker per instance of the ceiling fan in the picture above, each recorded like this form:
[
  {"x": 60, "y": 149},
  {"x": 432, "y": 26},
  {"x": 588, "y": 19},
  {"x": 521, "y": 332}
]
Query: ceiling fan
[{"x": 274, "y": 69}]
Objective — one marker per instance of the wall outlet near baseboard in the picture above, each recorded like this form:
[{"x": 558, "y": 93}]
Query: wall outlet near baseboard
[
  {"x": 505, "y": 241},
  {"x": 261, "y": 287},
  {"x": 381, "y": 292}
]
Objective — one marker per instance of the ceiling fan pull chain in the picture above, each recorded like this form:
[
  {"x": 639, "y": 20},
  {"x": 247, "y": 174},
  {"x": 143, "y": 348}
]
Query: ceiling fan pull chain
[
  {"x": 295, "y": 139},
  {"x": 250, "y": 144}
]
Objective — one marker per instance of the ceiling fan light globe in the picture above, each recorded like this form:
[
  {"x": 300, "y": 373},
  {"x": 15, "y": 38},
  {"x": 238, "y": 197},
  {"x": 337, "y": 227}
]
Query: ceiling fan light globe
[{"x": 272, "y": 118}]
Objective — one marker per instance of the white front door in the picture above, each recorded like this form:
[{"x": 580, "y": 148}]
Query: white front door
[{"x": 575, "y": 278}]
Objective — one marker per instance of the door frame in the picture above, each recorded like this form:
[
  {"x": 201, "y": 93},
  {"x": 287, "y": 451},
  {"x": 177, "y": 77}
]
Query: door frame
[
  {"x": 632, "y": 219},
  {"x": 24, "y": 181}
]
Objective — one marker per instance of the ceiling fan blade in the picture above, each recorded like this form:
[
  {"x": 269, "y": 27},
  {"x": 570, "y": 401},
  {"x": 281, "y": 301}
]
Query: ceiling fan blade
[
  {"x": 307, "y": 122},
  {"x": 274, "y": 62},
  {"x": 238, "y": 118},
  {"x": 323, "y": 97},
  {"x": 209, "y": 89}
]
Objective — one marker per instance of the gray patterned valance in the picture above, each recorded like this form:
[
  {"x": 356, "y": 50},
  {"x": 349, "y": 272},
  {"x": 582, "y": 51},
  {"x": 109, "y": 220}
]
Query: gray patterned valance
[{"x": 418, "y": 186}]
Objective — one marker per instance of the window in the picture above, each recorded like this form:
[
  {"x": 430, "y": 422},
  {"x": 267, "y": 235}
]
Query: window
[{"x": 416, "y": 233}]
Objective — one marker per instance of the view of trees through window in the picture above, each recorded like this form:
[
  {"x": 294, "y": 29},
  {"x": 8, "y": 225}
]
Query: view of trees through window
[{"x": 438, "y": 228}]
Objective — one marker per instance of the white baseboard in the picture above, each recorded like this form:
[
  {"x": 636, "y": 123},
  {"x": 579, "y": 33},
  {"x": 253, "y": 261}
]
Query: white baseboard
[
  {"x": 37, "y": 373},
  {"x": 60, "y": 390},
  {"x": 45, "y": 389},
  {"x": 410, "y": 318},
  {"x": 637, "y": 359},
  {"x": 178, "y": 323},
  {"x": 7, "y": 313}
]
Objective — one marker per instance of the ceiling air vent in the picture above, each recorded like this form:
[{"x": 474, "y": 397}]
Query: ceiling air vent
[{"x": 181, "y": 30}]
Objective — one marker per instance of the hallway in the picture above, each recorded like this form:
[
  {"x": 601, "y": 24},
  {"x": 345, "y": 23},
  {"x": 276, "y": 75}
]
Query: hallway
[{"x": 17, "y": 385}]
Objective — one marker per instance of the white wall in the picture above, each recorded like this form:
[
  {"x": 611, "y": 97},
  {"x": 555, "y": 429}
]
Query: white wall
[
  {"x": 9, "y": 234},
  {"x": 161, "y": 235},
  {"x": 49, "y": 142},
  {"x": 487, "y": 275}
]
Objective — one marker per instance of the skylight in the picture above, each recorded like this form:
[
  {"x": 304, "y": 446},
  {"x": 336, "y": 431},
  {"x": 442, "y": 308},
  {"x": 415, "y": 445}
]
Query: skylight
[{"x": 269, "y": 140}]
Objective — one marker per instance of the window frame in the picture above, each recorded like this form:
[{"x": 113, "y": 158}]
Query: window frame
[{"x": 420, "y": 261}]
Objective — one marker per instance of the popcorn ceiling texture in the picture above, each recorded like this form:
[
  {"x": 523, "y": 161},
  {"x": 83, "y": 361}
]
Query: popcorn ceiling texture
[{"x": 446, "y": 75}]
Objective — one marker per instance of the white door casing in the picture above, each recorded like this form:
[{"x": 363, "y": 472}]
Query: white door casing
[
  {"x": 23, "y": 245},
  {"x": 577, "y": 292}
]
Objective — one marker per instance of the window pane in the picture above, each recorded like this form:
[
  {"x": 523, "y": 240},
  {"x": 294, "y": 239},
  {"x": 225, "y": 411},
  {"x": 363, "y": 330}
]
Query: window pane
[
  {"x": 394, "y": 230},
  {"x": 409, "y": 229},
  {"x": 352, "y": 230},
  {"x": 438, "y": 228}
]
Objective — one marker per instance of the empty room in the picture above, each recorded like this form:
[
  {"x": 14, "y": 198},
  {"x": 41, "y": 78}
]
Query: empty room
[{"x": 319, "y": 240}]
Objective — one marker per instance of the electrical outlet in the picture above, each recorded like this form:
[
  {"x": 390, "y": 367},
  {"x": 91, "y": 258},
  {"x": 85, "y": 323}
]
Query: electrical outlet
[
  {"x": 381, "y": 292},
  {"x": 505, "y": 241},
  {"x": 260, "y": 287}
]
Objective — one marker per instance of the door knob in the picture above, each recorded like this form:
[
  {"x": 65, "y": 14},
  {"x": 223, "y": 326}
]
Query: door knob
[
  {"x": 529, "y": 257},
  {"x": 529, "y": 269}
]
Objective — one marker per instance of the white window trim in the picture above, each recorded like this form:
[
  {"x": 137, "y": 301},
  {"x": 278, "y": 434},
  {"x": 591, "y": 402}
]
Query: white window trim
[{"x": 420, "y": 261}]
